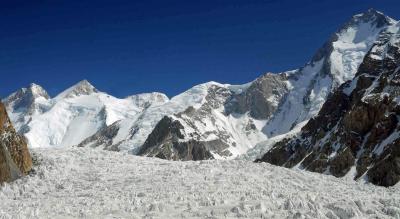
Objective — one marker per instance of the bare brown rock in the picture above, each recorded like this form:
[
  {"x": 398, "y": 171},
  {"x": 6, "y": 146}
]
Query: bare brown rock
[{"x": 15, "y": 159}]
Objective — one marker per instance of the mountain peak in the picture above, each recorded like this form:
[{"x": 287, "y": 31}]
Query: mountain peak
[
  {"x": 345, "y": 50},
  {"x": 371, "y": 16},
  {"x": 27, "y": 94},
  {"x": 84, "y": 83},
  {"x": 371, "y": 12},
  {"x": 25, "y": 102},
  {"x": 37, "y": 91},
  {"x": 83, "y": 87}
]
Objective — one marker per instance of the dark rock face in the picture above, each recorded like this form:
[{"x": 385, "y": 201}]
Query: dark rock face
[
  {"x": 358, "y": 126},
  {"x": 103, "y": 137},
  {"x": 167, "y": 142},
  {"x": 261, "y": 98},
  {"x": 386, "y": 171},
  {"x": 15, "y": 159}
]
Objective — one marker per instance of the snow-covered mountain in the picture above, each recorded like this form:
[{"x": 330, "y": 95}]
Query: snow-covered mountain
[
  {"x": 357, "y": 131},
  {"x": 201, "y": 112},
  {"x": 335, "y": 63},
  {"x": 70, "y": 117},
  {"x": 210, "y": 120}
]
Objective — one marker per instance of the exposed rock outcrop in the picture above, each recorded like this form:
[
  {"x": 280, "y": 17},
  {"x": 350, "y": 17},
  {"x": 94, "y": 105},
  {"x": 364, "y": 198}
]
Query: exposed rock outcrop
[
  {"x": 104, "y": 137},
  {"x": 202, "y": 131},
  {"x": 83, "y": 87},
  {"x": 357, "y": 130},
  {"x": 15, "y": 160},
  {"x": 167, "y": 142},
  {"x": 262, "y": 97}
]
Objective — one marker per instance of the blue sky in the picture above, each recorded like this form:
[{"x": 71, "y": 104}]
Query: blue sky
[{"x": 128, "y": 47}]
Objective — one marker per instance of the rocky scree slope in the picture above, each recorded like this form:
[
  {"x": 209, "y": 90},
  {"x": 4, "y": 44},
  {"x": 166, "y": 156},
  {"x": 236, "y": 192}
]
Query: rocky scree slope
[
  {"x": 357, "y": 131},
  {"x": 15, "y": 160}
]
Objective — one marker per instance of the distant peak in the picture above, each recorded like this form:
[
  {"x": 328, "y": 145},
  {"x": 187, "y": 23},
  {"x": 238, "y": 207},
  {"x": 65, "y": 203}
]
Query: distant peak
[
  {"x": 26, "y": 97},
  {"x": 38, "y": 91},
  {"x": 83, "y": 87},
  {"x": 372, "y": 11},
  {"x": 85, "y": 84},
  {"x": 34, "y": 85},
  {"x": 361, "y": 26},
  {"x": 84, "y": 81},
  {"x": 374, "y": 16},
  {"x": 32, "y": 91}
]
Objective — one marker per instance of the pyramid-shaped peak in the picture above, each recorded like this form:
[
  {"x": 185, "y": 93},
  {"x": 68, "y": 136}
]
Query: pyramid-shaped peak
[
  {"x": 85, "y": 84},
  {"x": 37, "y": 91},
  {"x": 83, "y": 87},
  {"x": 27, "y": 94},
  {"x": 372, "y": 16},
  {"x": 34, "y": 85},
  {"x": 373, "y": 11},
  {"x": 27, "y": 99}
]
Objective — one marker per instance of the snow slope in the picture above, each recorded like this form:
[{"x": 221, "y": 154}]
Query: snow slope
[
  {"x": 82, "y": 115},
  {"x": 87, "y": 183},
  {"x": 73, "y": 115},
  {"x": 76, "y": 114}
]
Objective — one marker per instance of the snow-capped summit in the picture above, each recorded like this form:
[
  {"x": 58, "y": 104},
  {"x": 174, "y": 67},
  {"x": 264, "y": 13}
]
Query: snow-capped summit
[
  {"x": 335, "y": 63},
  {"x": 38, "y": 91},
  {"x": 343, "y": 52},
  {"x": 356, "y": 134},
  {"x": 26, "y": 102},
  {"x": 27, "y": 95},
  {"x": 374, "y": 16},
  {"x": 81, "y": 88},
  {"x": 75, "y": 114}
]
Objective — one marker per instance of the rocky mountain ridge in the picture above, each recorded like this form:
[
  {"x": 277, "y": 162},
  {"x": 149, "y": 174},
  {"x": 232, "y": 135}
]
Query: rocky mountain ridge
[
  {"x": 356, "y": 133},
  {"x": 212, "y": 120}
]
